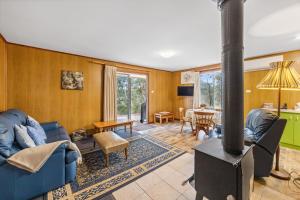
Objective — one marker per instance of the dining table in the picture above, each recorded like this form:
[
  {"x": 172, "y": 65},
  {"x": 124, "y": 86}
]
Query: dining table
[{"x": 190, "y": 113}]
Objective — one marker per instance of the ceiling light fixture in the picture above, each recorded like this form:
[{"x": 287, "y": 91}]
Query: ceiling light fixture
[
  {"x": 167, "y": 53},
  {"x": 298, "y": 37}
]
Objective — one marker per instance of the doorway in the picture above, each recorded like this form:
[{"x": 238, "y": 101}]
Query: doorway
[{"x": 132, "y": 97}]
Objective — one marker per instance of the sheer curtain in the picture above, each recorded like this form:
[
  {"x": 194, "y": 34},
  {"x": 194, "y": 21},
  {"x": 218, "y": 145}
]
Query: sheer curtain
[
  {"x": 197, "y": 92},
  {"x": 110, "y": 93}
]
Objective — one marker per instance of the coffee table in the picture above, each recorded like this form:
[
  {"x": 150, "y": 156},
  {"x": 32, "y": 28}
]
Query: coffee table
[{"x": 103, "y": 126}]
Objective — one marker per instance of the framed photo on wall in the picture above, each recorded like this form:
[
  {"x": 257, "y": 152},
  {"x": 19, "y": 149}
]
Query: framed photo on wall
[
  {"x": 187, "y": 77},
  {"x": 71, "y": 80}
]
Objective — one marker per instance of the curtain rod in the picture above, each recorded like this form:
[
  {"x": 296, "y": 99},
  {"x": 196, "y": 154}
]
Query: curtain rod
[{"x": 144, "y": 69}]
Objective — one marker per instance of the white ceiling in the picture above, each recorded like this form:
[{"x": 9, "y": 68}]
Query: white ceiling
[{"x": 136, "y": 31}]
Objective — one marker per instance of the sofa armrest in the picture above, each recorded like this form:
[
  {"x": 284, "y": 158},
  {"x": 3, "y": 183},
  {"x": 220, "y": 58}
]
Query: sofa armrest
[
  {"x": 62, "y": 147},
  {"x": 2, "y": 160},
  {"x": 71, "y": 156},
  {"x": 20, "y": 184},
  {"x": 47, "y": 126},
  {"x": 271, "y": 138}
]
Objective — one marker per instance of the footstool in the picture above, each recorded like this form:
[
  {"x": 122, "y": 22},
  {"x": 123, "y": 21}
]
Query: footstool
[
  {"x": 110, "y": 142},
  {"x": 163, "y": 115}
]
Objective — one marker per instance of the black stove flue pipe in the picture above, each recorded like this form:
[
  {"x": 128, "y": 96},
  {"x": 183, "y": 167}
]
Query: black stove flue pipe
[{"x": 232, "y": 17}]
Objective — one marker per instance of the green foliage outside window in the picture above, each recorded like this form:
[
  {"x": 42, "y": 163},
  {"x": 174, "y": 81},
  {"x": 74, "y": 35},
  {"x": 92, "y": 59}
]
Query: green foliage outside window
[
  {"x": 122, "y": 95},
  {"x": 211, "y": 89},
  {"x": 138, "y": 93}
]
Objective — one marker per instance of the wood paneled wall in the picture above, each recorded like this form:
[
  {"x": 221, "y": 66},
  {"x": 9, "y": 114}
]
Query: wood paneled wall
[
  {"x": 160, "y": 92},
  {"x": 179, "y": 101},
  {"x": 256, "y": 97},
  {"x": 3, "y": 73},
  {"x": 34, "y": 86}
]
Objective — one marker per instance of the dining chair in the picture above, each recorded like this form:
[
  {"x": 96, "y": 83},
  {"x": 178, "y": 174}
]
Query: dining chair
[
  {"x": 204, "y": 121},
  {"x": 184, "y": 120}
]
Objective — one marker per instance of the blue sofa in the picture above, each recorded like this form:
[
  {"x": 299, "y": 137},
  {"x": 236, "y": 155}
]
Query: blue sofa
[{"x": 18, "y": 184}]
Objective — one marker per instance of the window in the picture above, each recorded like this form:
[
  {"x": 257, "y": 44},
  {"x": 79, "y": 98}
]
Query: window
[{"x": 211, "y": 89}]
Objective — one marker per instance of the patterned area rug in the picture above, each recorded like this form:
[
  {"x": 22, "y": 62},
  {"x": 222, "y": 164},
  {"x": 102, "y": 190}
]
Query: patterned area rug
[
  {"x": 143, "y": 127},
  {"x": 95, "y": 181}
]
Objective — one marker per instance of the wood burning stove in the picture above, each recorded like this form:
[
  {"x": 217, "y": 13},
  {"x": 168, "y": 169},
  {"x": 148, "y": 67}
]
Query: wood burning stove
[
  {"x": 219, "y": 174},
  {"x": 225, "y": 168}
]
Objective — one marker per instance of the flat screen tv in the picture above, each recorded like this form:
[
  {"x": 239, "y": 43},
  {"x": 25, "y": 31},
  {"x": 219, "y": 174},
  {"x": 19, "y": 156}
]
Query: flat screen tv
[{"x": 185, "y": 91}]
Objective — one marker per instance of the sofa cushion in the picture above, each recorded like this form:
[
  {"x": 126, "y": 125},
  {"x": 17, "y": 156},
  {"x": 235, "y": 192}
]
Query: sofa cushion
[
  {"x": 57, "y": 135},
  {"x": 13, "y": 119},
  {"x": 36, "y": 135},
  {"x": 8, "y": 120},
  {"x": 259, "y": 121},
  {"x": 6, "y": 136},
  {"x": 22, "y": 137},
  {"x": 20, "y": 115},
  {"x": 36, "y": 125}
]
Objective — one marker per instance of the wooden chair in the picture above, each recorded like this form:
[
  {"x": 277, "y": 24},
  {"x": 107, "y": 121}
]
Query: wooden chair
[
  {"x": 204, "y": 121},
  {"x": 184, "y": 119}
]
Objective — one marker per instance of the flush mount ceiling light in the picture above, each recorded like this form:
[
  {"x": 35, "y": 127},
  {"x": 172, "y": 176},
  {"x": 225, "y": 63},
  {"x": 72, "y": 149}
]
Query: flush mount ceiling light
[
  {"x": 167, "y": 53},
  {"x": 279, "y": 23},
  {"x": 298, "y": 37}
]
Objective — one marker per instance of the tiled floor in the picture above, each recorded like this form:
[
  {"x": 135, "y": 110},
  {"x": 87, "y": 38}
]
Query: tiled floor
[{"x": 164, "y": 183}]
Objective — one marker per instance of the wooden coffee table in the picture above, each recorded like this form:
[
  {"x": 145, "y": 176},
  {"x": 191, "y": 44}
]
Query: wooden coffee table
[{"x": 103, "y": 126}]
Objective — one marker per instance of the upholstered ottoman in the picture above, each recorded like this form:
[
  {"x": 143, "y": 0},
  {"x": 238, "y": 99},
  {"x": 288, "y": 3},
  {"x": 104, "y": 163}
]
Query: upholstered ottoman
[{"x": 110, "y": 142}]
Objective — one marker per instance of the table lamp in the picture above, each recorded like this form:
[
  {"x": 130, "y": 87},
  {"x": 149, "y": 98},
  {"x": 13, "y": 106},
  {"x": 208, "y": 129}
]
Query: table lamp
[{"x": 282, "y": 76}]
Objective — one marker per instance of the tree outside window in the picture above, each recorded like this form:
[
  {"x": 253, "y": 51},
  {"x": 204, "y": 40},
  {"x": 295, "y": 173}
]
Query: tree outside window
[
  {"x": 131, "y": 92},
  {"x": 211, "y": 89}
]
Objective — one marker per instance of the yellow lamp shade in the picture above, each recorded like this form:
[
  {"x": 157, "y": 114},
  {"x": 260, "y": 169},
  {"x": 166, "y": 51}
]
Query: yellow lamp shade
[{"x": 282, "y": 75}]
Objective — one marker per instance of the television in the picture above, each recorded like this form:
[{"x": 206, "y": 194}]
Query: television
[{"x": 185, "y": 91}]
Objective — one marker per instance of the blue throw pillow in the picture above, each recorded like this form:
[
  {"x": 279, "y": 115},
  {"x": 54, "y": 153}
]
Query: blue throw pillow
[
  {"x": 36, "y": 135},
  {"x": 36, "y": 125},
  {"x": 22, "y": 137}
]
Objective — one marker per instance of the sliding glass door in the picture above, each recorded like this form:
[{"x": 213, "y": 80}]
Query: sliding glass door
[{"x": 132, "y": 97}]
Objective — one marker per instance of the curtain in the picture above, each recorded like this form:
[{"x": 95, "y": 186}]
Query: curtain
[
  {"x": 197, "y": 92},
  {"x": 110, "y": 93}
]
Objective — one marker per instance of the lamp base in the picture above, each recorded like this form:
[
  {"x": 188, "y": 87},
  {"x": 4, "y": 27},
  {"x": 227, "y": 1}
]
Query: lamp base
[{"x": 281, "y": 174}]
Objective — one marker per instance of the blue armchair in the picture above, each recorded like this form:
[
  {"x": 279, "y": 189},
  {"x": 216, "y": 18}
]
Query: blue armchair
[{"x": 18, "y": 184}]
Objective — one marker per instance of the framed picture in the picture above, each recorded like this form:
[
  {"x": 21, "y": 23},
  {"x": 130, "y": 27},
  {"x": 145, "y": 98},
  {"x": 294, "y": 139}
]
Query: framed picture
[
  {"x": 187, "y": 77},
  {"x": 71, "y": 80}
]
